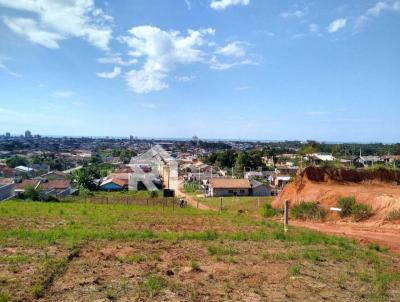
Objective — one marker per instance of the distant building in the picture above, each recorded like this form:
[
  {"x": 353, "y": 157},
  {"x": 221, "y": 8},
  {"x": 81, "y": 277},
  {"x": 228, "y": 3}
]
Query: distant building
[
  {"x": 259, "y": 189},
  {"x": 228, "y": 187},
  {"x": 6, "y": 191},
  {"x": 319, "y": 158},
  {"x": 367, "y": 161},
  {"x": 22, "y": 170},
  {"x": 28, "y": 134},
  {"x": 8, "y": 134}
]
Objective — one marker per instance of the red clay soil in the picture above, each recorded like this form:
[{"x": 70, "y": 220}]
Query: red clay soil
[{"x": 380, "y": 189}]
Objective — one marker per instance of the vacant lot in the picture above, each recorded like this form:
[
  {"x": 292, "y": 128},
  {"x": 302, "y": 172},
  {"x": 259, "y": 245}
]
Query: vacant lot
[
  {"x": 100, "y": 252},
  {"x": 247, "y": 204}
]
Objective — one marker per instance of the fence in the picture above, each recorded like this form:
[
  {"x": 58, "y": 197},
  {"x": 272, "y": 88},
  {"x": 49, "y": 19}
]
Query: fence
[{"x": 128, "y": 200}]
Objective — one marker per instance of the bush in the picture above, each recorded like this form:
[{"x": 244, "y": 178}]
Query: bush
[
  {"x": 308, "y": 210},
  {"x": 268, "y": 210},
  {"x": 394, "y": 215},
  {"x": 153, "y": 194},
  {"x": 191, "y": 187},
  {"x": 346, "y": 204},
  {"x": 361, "y": 212}
]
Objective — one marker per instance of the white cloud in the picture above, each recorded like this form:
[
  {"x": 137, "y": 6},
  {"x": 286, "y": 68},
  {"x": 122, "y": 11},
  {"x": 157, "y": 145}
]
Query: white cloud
[
  {"x": 234, "y": 49},
  {"x": 218, "y": 65},
  {"x": 116, "y": 60},
  {"x": 54, "y": 21},
  {"x": 29, "y": 28},
  {"x": 296, "y": 13},
  {"x": 161, "y": 51},
  {"x": 222, "y": 4},
  {"x": 110, "y": 75},
  {"x": 376, "y": 10},
  {"x": 337, "y": 25}
]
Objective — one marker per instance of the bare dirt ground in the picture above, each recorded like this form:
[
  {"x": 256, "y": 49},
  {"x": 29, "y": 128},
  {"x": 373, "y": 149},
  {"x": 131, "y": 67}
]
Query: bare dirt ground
[
  {"x": 188, "y": 271},
  {"x": 386, "y": 237},
  {"x": 177, "y": 186},
  {"x": 326, "y": 187}
]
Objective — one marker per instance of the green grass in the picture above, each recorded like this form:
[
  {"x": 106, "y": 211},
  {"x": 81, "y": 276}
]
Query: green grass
[
  {"x": 152, "y": 285},
  {"x": 224, "y": 237},
  {"x": 221, "y": 250},
  {"x": 295, "y": 270},
  {"x": 307, "y": 211},
  {"x": 250, "y": 204}
]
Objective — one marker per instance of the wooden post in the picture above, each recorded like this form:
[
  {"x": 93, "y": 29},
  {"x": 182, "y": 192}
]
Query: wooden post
[
  {"x": 163, "y": 205},
  {"x": 166, "y": 201},
  {"x": 285, "y": 215},
  {"x": 147, "y": 201},
  {"x": 173, "y": 204},
  {"x": 220, "y": 207},
  {"x": 197, "y": 203},
  {"x": 258, "y": 202}
]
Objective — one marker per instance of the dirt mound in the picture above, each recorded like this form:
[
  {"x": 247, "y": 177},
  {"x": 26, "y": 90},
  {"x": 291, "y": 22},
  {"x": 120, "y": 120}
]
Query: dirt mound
[{"x": 379, "y": 188}]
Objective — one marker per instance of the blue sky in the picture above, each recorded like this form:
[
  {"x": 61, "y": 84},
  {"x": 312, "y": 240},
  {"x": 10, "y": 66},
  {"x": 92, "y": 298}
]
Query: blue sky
[{"x": 240, "y": 69}]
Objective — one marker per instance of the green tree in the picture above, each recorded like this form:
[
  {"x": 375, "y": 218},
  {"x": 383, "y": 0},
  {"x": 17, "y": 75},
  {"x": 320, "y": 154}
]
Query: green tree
[{"x": 16, "y": 161}]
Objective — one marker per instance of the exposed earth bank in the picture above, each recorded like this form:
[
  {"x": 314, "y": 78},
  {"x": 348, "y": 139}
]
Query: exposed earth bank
[{"x": 380, "y": 189}]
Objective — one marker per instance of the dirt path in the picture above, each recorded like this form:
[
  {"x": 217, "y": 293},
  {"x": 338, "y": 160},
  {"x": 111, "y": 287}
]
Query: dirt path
[
  {"x": 177, "y": 185},
  {"x": 386, "y": 237}
]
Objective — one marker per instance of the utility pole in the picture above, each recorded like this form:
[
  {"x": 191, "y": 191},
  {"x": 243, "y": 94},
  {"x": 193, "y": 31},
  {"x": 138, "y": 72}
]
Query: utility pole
[{"x": 285, "y": 215}]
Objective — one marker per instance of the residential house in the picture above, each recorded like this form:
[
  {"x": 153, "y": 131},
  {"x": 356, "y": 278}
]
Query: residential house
[
  {"x": 55, "y": 175},
  {"x": 6, "y": 191},
  {"x": 228, "y": 187},
  {"x": 115, "y": 182},
  {"x": 56, "y": 187},
  {"x": 367, "y": 161},
  {"x": 320, "y": 158},
  {"x": 259, "y": 189},
  {"x": 23, "y": 171},
  {"x": 49, "y": 187},
  {"x": 281, "y": 180},
  {"x": 7, "y": 172}
]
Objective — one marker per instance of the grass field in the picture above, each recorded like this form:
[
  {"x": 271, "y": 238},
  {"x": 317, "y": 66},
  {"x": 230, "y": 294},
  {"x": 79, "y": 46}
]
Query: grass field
[
  {"x": 248, "y": 204},
  {"x": 102, "y": 252}
]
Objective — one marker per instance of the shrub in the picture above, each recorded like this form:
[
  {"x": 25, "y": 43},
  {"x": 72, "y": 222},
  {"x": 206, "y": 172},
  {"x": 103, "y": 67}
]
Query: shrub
[
  {"x": 153, "y": 194},
  {"x": 191, "y": 187},
  {"x": 361, "y": 212},
  {"x": 307, "y": 210},
  {"x": 268, "y": 210},
  {"x": 295, "y": 270},
  {"x": 346, "y": 204},
  {"x": 394, "y": 215},
  {"x": 153, "y": 285}
]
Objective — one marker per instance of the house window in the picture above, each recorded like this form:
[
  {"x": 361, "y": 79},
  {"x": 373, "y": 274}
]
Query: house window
[
  {"x": 230, "y": 191},
  {"x": 242, "y": 191}
]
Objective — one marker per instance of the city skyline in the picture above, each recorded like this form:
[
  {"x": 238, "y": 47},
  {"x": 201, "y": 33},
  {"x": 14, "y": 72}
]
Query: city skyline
[{"x": 237, "y": 69}]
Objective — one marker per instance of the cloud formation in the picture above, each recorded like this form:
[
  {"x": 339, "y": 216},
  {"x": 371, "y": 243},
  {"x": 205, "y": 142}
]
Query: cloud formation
[
  {"x": 376, "y": 10},
  {"x": 161, "y": 51},
  {"x": 235, "y": 49},
  {"x": 110, "y": 75},
  {"x": 54, "y": 21},
  {"x": 223, "y": 4},
  {"x": 337, "y": 25}
]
